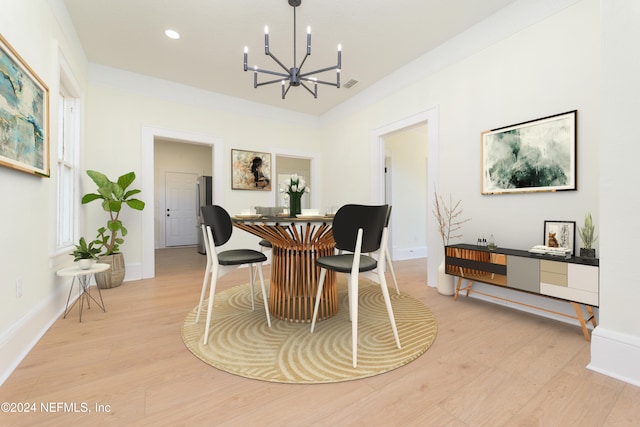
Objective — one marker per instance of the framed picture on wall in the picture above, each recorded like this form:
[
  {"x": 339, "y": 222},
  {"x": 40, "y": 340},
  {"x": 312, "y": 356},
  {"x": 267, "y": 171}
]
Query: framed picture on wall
[
  {"x": 560, "y": 234},
  {"x": 24, "y": 115},
  {"x": 250, "y": 170},
  {"x": 538, "y": 155}
]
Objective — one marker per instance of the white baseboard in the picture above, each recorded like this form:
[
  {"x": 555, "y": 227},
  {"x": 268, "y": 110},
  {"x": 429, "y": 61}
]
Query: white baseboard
[
  {"x": 616, "y": 355},
  {"x": 399, "y": 254}
]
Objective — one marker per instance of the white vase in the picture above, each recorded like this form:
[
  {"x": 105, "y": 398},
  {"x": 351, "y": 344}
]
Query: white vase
[{"x": 445, "y": 281}]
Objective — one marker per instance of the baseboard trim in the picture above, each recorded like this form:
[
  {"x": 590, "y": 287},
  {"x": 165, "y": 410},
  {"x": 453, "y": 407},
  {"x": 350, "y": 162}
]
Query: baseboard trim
[
  {"x": 616, "y": 355},
  {"x": 400, "y": 254}
]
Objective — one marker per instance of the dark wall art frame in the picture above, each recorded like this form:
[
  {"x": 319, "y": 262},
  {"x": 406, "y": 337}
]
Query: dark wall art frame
[
  {"x": 250, "y": 170},
  {"x": 24, "y": 115},
  {"x": 538, "y": 155},
  {"x": 564, "y": 232}
]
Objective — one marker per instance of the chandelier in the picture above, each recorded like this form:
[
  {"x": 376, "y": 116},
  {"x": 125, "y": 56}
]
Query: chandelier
[{"x": 294, "y": 75}]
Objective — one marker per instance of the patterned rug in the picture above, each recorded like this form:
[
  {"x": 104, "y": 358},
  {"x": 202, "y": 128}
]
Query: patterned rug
[{"x": 241, "y": 343}]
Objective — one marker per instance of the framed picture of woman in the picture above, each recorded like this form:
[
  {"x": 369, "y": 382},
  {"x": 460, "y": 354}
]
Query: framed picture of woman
[{"x": 250, "y": 170}]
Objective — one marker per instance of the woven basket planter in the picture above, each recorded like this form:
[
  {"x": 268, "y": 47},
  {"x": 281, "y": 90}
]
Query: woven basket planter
[{"x": 113, "y": 277}]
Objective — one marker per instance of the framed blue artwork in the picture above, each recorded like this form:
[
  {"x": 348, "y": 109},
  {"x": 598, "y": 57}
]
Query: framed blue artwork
[{"x": 24, "y": 115}]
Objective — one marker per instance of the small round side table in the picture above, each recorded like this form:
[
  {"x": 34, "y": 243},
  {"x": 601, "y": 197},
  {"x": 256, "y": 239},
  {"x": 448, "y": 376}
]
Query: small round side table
[{"x": 83, "y": 277}]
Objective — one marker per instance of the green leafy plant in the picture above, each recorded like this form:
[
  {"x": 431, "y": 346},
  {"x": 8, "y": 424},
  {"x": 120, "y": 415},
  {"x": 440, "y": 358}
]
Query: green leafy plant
[
  {"x": 114, "y": 196},
  {"x": 85, "y": 250},
  {"x": 587, "y": 232}
]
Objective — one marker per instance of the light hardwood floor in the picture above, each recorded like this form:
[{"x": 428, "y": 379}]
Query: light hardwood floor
[{"x": 489, "y": 366}]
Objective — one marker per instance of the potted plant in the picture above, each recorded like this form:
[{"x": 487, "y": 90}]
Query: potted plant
[
  {"x": 85, "y": 254},
  {"x": 588, "y": 237},
  {"x": 114, "y": 196}
]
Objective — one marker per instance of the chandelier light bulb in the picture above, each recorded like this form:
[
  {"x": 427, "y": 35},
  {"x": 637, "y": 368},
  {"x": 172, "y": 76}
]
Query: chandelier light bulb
[{"x": 266, "y": 29}]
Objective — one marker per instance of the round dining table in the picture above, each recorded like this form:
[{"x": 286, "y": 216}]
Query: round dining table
[{"x": 296, "y": 244}]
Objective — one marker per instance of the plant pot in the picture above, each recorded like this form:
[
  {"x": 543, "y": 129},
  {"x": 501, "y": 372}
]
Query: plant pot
[
  {"x": 587, "y": 252},
  {"x": 445, "y": 281},
  {"x": 86, "y": 264},
  {"x": 113, "y": 277}
]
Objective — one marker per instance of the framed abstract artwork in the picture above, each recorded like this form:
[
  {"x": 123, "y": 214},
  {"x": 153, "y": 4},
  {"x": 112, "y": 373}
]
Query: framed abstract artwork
[
  {"x": 539, "y": 155},
  {"x": 250, "y": 170},
  {"x": 24, "y": 115},
  {"x": 560, "y": 234}
]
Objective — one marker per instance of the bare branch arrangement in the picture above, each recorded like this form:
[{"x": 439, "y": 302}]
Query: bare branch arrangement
[{"x": 448, "y": 216}]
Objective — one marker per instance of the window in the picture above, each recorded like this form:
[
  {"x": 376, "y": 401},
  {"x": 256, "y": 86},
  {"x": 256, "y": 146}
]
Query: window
[{"x": 67, "y": 162}]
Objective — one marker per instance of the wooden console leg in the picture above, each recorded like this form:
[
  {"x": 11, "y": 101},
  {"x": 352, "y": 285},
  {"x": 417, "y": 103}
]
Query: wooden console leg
[
  {"x": 580, "y": 317},
  {"x": 455, "y": 295}
]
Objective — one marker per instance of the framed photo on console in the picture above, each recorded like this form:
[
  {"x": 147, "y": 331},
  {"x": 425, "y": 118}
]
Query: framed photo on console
[
  {"x": 560, "y": 234},
  {"x": 538, "y": 155}
]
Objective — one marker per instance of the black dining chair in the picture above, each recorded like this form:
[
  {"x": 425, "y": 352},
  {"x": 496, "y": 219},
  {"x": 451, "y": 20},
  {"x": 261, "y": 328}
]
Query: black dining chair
[
  {"x": 357, "y": 230},
  {"x": 217, "y": 229}
]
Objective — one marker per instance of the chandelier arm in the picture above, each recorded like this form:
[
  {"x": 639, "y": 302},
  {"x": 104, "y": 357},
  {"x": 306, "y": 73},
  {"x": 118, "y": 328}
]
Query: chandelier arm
[
  {"x": 278, "y": 62},
  {"x": 303, "y": 61},
  {"x": 314, "y": 93},
  {"x": 321, "y": 82},
  {"x": 284, "y": 92},
  {"x": 322, "y": 70},
  {"x": 274, "y": 73},
  {"x": 268, "y": 82}
]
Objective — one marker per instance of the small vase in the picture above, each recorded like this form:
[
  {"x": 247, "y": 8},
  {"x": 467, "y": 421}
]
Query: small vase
[{"x": 295, "y": 204}]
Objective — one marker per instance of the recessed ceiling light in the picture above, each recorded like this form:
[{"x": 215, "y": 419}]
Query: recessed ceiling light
[{"x": 172, "y": 34}]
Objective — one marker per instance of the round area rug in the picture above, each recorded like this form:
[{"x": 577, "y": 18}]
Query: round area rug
[{"x": 241, "y": 343}]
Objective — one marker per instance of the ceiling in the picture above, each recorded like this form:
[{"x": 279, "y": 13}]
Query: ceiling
[{"x": 377, "y": 37}]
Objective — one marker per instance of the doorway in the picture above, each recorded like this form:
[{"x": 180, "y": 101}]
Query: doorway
[
  {"x": 406, "y": 154},
  {"x": 180, "y": 216},
  {"x": 287, "y": 166},
  {"x": 150, "y": 230},
  {"x": 428, "y": 118}
]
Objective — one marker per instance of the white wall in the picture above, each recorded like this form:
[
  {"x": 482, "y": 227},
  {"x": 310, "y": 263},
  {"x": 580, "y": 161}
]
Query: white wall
[
  {"x": 615, "y": 349},
  {"x": 28, "y": 213}
]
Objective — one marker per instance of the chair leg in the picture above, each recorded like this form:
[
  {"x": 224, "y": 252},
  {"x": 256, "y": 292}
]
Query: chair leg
[
  {"x": 251, "y": 278},
  {"x": 264, "y": 295},
  {"x": 323, "y": 273},
  {"x": 387, "y": 301},
  {"x": 353, "y": 313},
  {"x": 393, "y": 273},
  {"x": 205, "y": 282},
  {"x": 212, "y": 292}
]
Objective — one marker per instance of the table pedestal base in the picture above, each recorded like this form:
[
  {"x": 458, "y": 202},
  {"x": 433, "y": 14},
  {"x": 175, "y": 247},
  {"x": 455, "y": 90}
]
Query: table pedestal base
[{"x": 294, "y": 283}]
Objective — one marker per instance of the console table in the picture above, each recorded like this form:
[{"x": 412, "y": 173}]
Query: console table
[{"x": 575, "y": 279}]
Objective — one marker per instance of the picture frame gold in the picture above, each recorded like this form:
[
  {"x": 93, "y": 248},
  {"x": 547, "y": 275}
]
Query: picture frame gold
[{"x": 24, "y": 115}]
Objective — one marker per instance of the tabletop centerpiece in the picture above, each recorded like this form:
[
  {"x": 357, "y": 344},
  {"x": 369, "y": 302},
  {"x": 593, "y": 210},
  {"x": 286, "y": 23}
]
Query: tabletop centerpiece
[{"x": 294, "y": 188}]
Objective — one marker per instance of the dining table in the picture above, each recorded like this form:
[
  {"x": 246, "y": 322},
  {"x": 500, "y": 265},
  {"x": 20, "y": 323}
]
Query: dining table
[{"x": 296, "y": 244}]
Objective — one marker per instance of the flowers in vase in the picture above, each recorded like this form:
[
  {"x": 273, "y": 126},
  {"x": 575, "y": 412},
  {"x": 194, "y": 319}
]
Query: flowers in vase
[{"x": 294, "y": 185}]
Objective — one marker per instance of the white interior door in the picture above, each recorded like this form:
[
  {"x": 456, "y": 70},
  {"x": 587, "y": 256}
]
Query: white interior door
[{"x": 180, "y": 209}]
